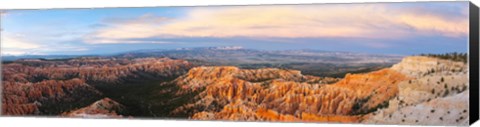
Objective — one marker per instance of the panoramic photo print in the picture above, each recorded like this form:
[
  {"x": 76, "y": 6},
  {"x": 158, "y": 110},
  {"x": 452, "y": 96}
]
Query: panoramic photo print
[{"x": 371, "y": 63}]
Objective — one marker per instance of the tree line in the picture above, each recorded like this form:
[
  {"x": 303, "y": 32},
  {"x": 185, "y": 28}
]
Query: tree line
[{"x": 454, "y": 56}]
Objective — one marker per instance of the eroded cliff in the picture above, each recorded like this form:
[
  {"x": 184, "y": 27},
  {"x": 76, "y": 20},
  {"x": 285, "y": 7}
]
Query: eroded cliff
[
  {"x": 231, "y": 93},
  {"x": 437, "y": 94}
]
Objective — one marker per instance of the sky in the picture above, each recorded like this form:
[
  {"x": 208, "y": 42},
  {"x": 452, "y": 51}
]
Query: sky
[{"x": 378, "y": 28}]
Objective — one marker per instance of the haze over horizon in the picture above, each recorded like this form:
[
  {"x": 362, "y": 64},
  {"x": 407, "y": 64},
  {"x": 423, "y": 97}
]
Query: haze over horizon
[{"x": 377, "y": 28}]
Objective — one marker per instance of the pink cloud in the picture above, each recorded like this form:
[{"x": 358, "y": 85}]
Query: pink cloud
[{"x": 288, "y": 21}]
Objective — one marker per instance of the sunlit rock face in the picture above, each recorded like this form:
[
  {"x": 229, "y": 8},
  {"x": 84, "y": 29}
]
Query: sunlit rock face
[
  {"x": 435, "y": 94},
  {"x": 230, "y": 93},
  {"x": 419, "y": 66},
  {"x": 104, "y": 108}
]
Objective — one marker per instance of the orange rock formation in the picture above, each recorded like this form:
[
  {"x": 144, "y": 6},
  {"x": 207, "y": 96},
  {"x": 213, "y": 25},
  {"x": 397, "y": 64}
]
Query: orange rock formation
[
  {"x": 104, "y": 108},
  {"x": 230, "y": 93}
]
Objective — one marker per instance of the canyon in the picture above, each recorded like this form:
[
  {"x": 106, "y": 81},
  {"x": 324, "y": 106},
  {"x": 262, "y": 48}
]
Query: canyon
[
  {"x": 417, "y": 90},
  {"x": 36, "y": 87}
]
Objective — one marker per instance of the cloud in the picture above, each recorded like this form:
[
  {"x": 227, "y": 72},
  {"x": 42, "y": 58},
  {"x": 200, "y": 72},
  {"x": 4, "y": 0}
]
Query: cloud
[
  {"x": 123, "y": 30},
  {"x": 17, "y": 44},
  {"x": 14, "y": 45},
  {"x": 376, "y": 21},
  {"x": 436, "y": 24}
]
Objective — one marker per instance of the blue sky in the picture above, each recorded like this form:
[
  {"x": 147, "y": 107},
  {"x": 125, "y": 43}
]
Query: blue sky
[{"x": 385, "y": 28}]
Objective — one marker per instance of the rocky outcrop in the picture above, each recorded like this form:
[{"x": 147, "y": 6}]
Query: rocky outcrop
[
  {"x": 451, "y": 110},
  {"x": 104, "y": 108},
  {"x": 435, "y": 94},
  {"x": 374, "y": 88},
  {"x": 420, "y": 66}
]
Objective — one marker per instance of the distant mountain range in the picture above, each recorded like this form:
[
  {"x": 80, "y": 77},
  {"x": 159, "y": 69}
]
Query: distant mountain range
[
  {"x": 44, "y": 57},
  {"x": 236, "y": 54},
  {"x": 313, "y": 62},
  {"x": 239, "y": 55}
]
